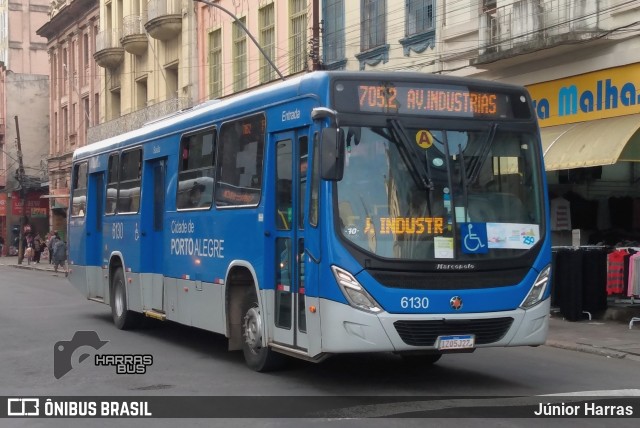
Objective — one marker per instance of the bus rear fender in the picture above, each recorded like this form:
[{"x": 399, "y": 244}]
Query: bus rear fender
[{"x": 240, "y": 279}]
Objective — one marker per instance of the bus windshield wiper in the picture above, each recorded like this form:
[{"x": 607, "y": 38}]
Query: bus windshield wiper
[
  {"x": 486, "y": 147},
  {"x": 411, "y": 156}
]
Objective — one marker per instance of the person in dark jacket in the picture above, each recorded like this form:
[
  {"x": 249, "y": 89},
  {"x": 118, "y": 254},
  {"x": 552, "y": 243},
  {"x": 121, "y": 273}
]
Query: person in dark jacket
[{"x": 59, "y": 253}]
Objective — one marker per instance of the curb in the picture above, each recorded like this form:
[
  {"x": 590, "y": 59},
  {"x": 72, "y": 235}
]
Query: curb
[
  {"x": 604, "y": 352},
  {"x": 30, "y": 267}
]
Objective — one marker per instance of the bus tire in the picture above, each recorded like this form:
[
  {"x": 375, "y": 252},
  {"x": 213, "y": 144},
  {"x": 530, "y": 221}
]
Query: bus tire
[
  {"x": 123, "y": 318},
  {"x": 257, "y": 357}
]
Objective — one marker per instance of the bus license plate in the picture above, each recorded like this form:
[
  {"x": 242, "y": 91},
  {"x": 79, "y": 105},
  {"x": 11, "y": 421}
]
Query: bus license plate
[{"x": 456, "y": 342}]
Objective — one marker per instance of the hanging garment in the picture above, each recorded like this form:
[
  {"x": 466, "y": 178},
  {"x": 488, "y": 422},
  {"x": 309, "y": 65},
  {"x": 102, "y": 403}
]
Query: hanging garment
[
  {"x": 633, "y": 287},
  {"x": 615, "y": 272},
  {"x": 560, "y": 214}
]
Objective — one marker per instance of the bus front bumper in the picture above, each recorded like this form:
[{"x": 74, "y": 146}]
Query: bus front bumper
[{"x": 345, "y": 329}]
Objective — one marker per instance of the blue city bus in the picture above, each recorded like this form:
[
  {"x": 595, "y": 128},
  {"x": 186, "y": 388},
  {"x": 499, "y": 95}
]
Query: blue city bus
[{"x": 330, "y": 213}]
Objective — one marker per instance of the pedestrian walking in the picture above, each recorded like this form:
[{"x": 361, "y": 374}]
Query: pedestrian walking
[
  {"x": 37, "y": 248},
  {"x": 59, "y": 253}
]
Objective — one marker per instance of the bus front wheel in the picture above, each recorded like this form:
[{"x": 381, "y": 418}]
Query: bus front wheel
[
  {"x": 123, "y": 318},
  {"x": 258, "y": 357}
]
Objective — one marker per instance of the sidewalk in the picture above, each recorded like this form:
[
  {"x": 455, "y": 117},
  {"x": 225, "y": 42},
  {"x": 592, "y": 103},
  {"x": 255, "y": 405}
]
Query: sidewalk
[
  {"x": 42, "y": 266},
  {"x": 612, "y": 339}
]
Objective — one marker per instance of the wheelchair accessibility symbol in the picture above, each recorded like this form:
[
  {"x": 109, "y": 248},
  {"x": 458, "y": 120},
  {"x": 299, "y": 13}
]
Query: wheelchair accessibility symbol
[{"x": 474, "y": 238}]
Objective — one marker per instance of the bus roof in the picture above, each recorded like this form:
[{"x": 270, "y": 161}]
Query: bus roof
[{"x": 313, "y": 84}]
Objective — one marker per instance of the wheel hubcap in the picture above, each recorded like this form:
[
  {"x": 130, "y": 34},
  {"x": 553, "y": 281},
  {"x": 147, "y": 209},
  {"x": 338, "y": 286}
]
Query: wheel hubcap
[
  {"x": 119, "y": 300},
  {"x": 253, "y": 329}
]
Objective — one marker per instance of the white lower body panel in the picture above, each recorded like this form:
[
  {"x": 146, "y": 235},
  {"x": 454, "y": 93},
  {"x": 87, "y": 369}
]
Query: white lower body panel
[{"x": 345, "y": 329}]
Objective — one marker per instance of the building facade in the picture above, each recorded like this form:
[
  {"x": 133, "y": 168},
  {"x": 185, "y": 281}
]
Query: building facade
[
  {"x": 379, "y": 35},
  {"x": 74, "y": 93},
  {"x": 24, "y": 117},
  {"x": 228, "y": 59},
  {"x": 146, "y": 50}
]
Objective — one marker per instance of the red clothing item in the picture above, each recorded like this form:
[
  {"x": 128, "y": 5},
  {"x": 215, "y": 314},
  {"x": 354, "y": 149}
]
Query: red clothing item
[{"x": 615, "y": 272}]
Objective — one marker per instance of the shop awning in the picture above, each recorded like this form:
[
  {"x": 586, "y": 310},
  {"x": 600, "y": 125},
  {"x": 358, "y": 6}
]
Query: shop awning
[{"x": 593, "y": 143}]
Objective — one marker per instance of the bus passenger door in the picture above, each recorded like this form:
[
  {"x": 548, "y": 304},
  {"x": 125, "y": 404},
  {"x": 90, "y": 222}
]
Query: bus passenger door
[
  {"x": 290, "y": 188},
  {"x": 151, "y": 233},
  {"x": 93, "y": 224}
]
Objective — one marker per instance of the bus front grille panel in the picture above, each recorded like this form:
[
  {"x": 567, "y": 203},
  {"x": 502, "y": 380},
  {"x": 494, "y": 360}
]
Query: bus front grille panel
[
  {"x": 449, "y": 280},
  {"x": 425, "y": 332}
]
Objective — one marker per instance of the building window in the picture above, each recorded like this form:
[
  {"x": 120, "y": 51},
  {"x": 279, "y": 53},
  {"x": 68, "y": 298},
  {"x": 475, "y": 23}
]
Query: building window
[
  {"x": 373, "y": 24},
  {"x": 85, "y": 75},
  {"x": 171, "y": 73},
  {"x": 333, "y": 31},
  {"x": 72, "y": 123},
  {"x": 85, "y": 118},
  {"x": 141, "y": 93},
  {"x": 85, "y": 49},
  {"x": 419, "y": 26},
  {"x": 96, "y": 109},
  {"x": 215, "y": 64},
  {"x": 419, "y": 16},
  {"x": 373, "y": 47},
  {"x": 65, "y": 125},
  {"x": 297, "y": 35},
  {"x": 239, "y": 56},
  {"x": 267, "y": 41},
  {"x": 65, "y": 71}
]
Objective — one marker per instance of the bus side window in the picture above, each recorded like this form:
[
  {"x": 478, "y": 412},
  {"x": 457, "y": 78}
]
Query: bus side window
[
  {"x": 315, "y": 183},
  {"x": 112, "y": 184},
  {"x": 240, "y": 153},
  {"x": 79, "y": 202},
  {"x": 130, "y": 180},
  {"x": 195, "y": 178}
]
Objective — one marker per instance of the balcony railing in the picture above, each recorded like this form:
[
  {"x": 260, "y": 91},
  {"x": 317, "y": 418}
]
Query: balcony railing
[
  {"x": 531, "y": 24},
  {"x": 164, "y": 18},
  {"x": 109, "y": 53},
  {"x": 136, "y": 119},
  {"x": 134, "y": 36}
]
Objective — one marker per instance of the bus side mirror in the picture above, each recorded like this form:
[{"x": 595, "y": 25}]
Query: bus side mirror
[{"x": 332, "y": 154}]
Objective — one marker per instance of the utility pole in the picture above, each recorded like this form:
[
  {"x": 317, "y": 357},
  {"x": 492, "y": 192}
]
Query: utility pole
[
  {"x": 315, "y": 37},
  {"x": 20, "y": 178}
]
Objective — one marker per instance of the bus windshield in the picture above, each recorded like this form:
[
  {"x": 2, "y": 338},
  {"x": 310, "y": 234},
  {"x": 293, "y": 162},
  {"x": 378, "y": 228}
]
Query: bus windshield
[{"x": 432, "y": 194}]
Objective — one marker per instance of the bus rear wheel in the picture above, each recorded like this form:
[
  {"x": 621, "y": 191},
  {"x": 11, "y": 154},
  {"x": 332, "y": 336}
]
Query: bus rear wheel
[
  {"x": 123, "y": 318},
  {"x": 258, "y": 357}
]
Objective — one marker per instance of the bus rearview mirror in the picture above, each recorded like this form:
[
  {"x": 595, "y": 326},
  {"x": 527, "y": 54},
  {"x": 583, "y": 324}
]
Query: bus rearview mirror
[{"x": 332, "y": 154}]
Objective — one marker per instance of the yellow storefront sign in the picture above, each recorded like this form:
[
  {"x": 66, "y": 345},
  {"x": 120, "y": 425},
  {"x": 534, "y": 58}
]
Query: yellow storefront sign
[{"x": 597, "y": 95}]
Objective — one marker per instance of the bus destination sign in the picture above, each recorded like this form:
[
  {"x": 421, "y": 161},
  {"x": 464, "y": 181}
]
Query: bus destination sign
[
  {"x": 432, "y": 100},
  {"x": 429, "y": 99}
]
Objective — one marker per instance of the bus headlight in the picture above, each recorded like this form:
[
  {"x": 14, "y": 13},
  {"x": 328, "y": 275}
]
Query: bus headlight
[
  {"x": 354, "y": 292},
  {"x": 538, "y": 289}
]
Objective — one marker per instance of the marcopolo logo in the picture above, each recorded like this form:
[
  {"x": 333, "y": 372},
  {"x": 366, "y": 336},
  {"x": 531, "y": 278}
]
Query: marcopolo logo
[{"x": 124, "y": 363}]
